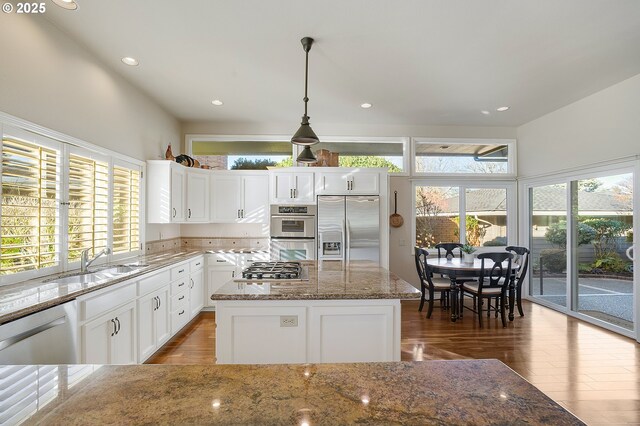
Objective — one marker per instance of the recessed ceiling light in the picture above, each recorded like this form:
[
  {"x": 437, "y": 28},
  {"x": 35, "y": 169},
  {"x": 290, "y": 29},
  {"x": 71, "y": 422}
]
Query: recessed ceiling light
[
  {"x": 217, "y": 102},
  {"x": 130, "y": 61},
  {"x": 366, "y": 105},
  {"x": 485, "y": 112},
  {"x": 504, "y": 108},
  {"x": 67, "y": 4}
]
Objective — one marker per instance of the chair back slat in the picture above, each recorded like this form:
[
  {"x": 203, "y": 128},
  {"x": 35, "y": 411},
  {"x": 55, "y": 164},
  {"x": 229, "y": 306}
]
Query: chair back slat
[
  {"x": 522, "y": 260},
  {"x": 448, "y": 249},
  {"x": 424, "y": 272},
  {"x": 498, "y": 275}
]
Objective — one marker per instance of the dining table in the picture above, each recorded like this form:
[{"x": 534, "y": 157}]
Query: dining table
[{"x": 458, "y": 270}]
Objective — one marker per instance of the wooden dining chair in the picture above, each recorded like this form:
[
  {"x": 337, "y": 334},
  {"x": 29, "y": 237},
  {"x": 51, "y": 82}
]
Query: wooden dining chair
[
  {"x": 429, "y": 283},
  {"x": 493, "y": 282},
  {"x": 522, "y": 259},
  {"x": 448, "y": 249}
]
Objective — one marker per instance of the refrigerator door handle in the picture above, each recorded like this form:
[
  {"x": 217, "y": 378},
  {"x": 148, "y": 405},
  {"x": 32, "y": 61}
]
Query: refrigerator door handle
[{"x": 347, "y": 238}]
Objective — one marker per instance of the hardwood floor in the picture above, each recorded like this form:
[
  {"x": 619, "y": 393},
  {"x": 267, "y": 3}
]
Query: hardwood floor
[{"x": 590, "y": 371}]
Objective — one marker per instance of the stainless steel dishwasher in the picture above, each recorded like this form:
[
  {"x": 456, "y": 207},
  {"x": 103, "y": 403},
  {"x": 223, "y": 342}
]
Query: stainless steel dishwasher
[{"x": 46, "y": 337}]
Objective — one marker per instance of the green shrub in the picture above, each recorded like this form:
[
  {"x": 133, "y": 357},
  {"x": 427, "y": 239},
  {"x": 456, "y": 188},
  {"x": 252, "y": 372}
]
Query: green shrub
[
  {"x": 554, "y": 260},
  {"x": 557, "y": 233},
  {"x": 496, "y": 242},
  {"x": 584, "y": 268},
  {"x": 610, "y": 263}
]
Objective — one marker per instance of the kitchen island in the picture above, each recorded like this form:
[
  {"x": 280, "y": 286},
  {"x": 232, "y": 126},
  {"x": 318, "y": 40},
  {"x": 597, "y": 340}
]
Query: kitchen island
[
  {"x": 343, "y": 312},
  {"x": 478, "y": 392}
]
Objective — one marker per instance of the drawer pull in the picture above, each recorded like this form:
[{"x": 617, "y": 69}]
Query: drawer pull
[
  {"x": 181, "y": 297},
  {"x": 181, "y": 271},
  {"x": 198, "y": 264},
  {"x": 113, "y": 333},
  {"x": 180, "y": 313},
  {"x": 181, "y": 284},
  {"x": 221, "y": 261}
]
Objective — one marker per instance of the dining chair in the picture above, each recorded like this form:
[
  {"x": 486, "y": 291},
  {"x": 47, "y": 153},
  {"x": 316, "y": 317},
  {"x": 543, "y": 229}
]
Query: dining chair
[
  {"x": 493, "y": 282},
  {"x": 430, "y": 283},
  {"x": 448, "y": 249},
  {"x": 522, "y": 260}
]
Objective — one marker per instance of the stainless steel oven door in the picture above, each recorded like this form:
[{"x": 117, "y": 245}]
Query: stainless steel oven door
[
  {"x": 293, "y": 226},
  {"x": 283, "y": 249}
]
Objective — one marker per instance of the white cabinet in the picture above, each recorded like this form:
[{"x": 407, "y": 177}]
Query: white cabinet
[
  {"x": 111, "y": 338},
  {"x": 196, "y": 292},
  {"x": 153, "y": 322},
  {"x": 349, "y": 182},
  {"x": 292, "y": 188},
  {"x": 166, "y": 191},
  {"x": 239, "y": 198},
  {"x": 197, "y": 195},
  {"x": 217, "y": 276}
]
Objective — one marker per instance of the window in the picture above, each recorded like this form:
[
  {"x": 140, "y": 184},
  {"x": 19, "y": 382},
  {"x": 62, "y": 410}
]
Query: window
[
  {"x": 242, "y": 154},
  {"x": 88, "y": 206},
  {"x": 126, "y": 209},
  {"x": 59, "y": 199},
  {"x": 30, "y": 200},
  {"x": 481, "y": 210},
  {"x": 367, "y": 152},
  {"x": 459, "y": 156}
]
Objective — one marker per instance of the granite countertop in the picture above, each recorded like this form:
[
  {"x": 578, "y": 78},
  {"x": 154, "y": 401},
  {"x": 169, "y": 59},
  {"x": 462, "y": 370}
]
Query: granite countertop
[
  {"x": 327, "y": 280},
  {"x": 27, "y": 297},
  {"x": 477, "y": 392}
]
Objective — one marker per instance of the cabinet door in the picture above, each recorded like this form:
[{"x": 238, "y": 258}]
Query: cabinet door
[
  {"x": 146, "y": 331},
  {"x": 197, "y": 196},
  {"x": 255, "y": 195},
  {"x": 304, "y": 188},
  {"x": 177, "y": 194},
  {"x": 363, "y": 183},
  {"x": 282, "y": 187},
  {"x": 333, "y": 184},
  {"x": 97, "y": 341},
  {"x": 217, "y": 277},
  {"x": 123, "y": 351},
  {"x": 161, "y": 320},
  {"x": 226, "y": 197},
  {"x": 196, "y": 292}
]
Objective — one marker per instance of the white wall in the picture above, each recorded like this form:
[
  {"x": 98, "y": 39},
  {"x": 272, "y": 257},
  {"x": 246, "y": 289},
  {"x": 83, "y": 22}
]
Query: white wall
[
  {"x": 49, "y": 79},
  {"x": 602, "y": 126}
]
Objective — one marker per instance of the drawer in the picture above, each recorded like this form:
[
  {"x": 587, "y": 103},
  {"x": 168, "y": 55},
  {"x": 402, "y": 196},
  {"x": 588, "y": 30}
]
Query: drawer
[
  {"x": 95, "y": 306},
  {"x": 179, "y": 286},
  {"x": 180, "y": 302},
  {"x": 180, "y": 271},
  {"x": 196, "y": 264},
  {"x": 179, "y": 319},
  {"x": 228, "y": 259},
  {"x": 153, "y": 282}
]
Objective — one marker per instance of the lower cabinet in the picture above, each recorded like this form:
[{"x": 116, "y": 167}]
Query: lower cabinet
[
  {"x": 153, "y": 322},
  {"x": 307, "y": 331},
  {"x": 196, "y": 292},
  {"x": 217, "y": 276},
  {"x": 111, "y": 338}
]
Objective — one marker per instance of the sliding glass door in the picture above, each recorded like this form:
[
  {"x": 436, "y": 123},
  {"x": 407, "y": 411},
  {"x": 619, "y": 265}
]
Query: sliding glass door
[{"x": 581, "y": 236}]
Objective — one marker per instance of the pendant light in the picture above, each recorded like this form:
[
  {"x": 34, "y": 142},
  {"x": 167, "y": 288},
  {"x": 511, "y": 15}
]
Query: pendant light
[{"x": 305, "y": 136}]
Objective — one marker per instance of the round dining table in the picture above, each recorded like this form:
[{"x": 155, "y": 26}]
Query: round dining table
[{"x": 457, "y": 270}]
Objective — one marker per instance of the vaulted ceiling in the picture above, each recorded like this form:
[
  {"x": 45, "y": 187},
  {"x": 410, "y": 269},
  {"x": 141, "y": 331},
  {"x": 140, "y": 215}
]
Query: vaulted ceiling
[{"x": 419, "y": 62}]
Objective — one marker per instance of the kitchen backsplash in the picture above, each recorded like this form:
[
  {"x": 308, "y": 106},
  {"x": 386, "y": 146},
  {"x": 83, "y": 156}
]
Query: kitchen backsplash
[{"x": 207, "y": 243}]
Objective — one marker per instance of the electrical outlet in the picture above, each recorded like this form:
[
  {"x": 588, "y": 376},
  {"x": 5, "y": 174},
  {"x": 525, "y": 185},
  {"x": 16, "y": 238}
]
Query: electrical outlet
[{"x": 288, "y": 321}]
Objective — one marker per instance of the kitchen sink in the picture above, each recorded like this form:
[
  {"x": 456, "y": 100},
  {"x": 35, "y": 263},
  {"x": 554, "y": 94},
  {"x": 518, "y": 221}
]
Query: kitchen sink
[{"x": 105, "y": 274}]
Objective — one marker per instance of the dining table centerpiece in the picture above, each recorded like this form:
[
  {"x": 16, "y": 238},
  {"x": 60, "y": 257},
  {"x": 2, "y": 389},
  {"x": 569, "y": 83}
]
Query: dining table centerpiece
[{"x": 467, "y": 253}]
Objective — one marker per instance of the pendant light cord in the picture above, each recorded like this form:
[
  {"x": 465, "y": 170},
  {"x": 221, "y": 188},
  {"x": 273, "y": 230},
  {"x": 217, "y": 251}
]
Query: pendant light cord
[{"x": 306, "y": 80}]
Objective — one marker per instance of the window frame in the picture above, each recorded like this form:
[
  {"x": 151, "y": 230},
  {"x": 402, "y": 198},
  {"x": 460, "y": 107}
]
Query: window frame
[
  {"x": 463, "y": 184},
  {"x": 66, "y": 145},
  {"x": 511, "y": 157},
  {"x": 296, "y": 149}
]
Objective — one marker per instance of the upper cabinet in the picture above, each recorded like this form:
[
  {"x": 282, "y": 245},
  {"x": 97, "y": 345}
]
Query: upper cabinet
[
  {"x": 176, "y": 194},
  {"x": 292, "y": 188},
  {"x": 239, "y": 198},
  {"x": 348, "y": 182}
]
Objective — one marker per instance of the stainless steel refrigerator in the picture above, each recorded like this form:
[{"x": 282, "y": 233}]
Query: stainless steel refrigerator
[{"x": 348, "y": 227}]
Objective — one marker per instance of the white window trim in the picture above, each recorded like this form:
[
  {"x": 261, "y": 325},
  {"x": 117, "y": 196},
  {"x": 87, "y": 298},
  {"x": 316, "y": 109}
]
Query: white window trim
[
  {"x": 511, "y": 157},
  {"x": 512, "y": 205},
  {"x": 295, "y": 149},
  {"x": 66, "y": 144},
  {"x": 608, "y": 168}
]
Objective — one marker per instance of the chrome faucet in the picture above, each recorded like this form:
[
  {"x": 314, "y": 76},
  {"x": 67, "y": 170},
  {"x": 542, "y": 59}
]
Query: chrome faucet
[{"x": 84, "y": 258}]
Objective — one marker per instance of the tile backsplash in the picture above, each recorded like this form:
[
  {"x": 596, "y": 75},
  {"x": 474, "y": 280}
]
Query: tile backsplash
[{"x": 212, "y": 243}]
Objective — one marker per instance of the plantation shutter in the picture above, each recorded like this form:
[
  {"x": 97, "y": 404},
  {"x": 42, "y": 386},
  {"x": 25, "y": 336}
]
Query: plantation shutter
[
  {"x": 30, "y": 200},
  {"x": 126, "y": 209},
  {"x": 88, "y": 205}
]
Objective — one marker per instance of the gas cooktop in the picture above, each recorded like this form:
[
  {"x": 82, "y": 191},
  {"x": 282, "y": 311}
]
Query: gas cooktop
[{"x": 269, "y": 271}]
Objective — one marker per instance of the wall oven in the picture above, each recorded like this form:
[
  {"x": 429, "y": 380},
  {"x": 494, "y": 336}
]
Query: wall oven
[{"x": 293, "y": 230}]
